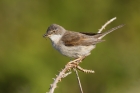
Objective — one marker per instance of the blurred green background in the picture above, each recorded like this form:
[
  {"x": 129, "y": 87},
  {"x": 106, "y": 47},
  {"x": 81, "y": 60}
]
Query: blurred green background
[{"x": 28, "y": 62}]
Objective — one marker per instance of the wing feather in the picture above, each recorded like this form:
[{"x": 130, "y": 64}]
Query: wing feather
[{"x": 76, "y": 39}]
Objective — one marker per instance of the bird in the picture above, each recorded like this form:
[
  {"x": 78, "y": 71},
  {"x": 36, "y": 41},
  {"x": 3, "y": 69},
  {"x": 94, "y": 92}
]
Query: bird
[{"x": 74, "y": 44}]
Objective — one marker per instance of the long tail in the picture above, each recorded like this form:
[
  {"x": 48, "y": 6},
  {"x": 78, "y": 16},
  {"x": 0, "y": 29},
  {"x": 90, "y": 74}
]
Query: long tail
[{"x": 100, "y": 36}]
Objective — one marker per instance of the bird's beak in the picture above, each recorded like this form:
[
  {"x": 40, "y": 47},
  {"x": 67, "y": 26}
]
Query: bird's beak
[{"x": 45, "y": 35}]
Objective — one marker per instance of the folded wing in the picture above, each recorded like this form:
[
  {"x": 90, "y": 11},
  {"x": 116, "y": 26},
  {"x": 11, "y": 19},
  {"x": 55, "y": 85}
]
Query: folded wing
[{"x": 76, "y": 39}]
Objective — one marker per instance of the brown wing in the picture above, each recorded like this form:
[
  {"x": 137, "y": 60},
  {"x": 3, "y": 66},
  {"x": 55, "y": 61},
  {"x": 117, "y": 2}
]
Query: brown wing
[{"x": 75, "y": 39}]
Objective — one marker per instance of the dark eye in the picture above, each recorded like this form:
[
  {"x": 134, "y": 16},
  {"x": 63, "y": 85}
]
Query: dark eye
[{"x": 53, "y": 31}]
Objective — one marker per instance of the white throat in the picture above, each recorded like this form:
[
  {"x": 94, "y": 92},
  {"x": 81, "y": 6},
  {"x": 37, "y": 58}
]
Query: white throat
[{"x": 55, "y": 38}]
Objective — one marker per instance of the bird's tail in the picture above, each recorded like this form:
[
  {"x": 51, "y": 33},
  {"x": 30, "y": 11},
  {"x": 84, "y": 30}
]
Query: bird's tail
[{"x": 100, "y": 36}]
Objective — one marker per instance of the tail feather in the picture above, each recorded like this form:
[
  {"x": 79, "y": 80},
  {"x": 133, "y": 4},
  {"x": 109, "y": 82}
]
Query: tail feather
[{"x": 100, "y": 36}]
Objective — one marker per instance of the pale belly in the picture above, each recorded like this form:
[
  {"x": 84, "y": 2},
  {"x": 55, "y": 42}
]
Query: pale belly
[{"x": 74, "y": 51}]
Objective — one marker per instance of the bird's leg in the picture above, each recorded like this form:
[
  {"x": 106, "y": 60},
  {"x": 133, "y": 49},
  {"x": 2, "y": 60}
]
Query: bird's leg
[{"x": 76, "y": 62}]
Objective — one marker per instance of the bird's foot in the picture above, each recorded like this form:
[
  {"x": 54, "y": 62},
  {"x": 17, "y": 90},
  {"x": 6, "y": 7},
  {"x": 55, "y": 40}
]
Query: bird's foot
[{"x": 75, "y": 63}]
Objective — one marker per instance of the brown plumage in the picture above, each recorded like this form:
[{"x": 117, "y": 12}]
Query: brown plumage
[
  {"x": 71, "y": 38},
  {"x": 75, "y": 39}
]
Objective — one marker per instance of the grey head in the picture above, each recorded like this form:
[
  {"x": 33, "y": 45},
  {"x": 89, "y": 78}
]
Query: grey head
[{"x": 54, "y": 29}]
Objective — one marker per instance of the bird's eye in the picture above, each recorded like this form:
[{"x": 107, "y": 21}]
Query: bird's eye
[{"x": 53, "y": 31}]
